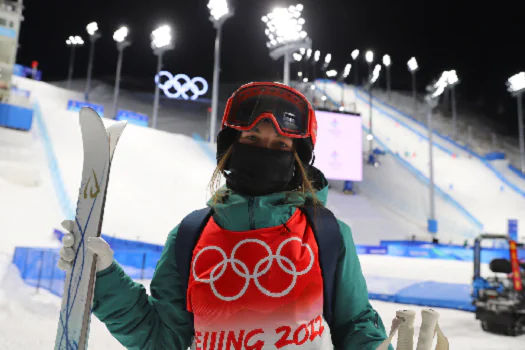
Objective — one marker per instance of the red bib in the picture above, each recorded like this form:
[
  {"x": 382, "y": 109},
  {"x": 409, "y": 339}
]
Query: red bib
[{"x": 256, "y": 281}]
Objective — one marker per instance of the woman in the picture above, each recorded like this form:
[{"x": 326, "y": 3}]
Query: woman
[{"x": 256, "y": 281}]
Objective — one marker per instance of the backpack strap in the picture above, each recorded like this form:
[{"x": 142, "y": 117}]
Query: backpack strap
[
  {"x": 329, "y": 241},
  {"x": 188, "y": 235}
]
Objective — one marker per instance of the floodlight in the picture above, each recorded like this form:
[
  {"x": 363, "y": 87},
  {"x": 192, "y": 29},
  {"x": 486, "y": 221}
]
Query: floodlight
[
  {"x": 218, "y": 9},
  {"x": 331, "y": 73},
  {"x": 440, "y": 85},
  {"x": 284, "y": 26},
  {"x": 74, "y": 41},
  {"x": 346, "y": 72},
  {"x": 317, "y": 55},
  {"x": 355, "y": 54},
  {"x": 92, "y": 28},
  {"x": 516, "y": 83},
  {"x": 412, "y": 65},
  {"x": 369, "y": 56},
  {"x": 161, "y": 37},
  {"x": 452, "y": 77},
  {"x": 120, "y": 34},
  {"x": 375, "y": 73},
  {"x": 386, "y": 60}
]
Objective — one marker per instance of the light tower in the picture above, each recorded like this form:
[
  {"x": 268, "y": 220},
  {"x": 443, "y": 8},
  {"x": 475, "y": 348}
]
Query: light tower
[
  {"x": 161, "y": 41},
  {"x": 94, "y": 35},
  {"x": 120, "y": 37},
  {"x": 286, "y": 35},
  {"x": 219, "y": 13}
]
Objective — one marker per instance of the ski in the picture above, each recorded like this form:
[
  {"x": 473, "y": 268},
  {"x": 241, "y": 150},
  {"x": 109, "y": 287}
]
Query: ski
[{"x": 99, "y": 146}]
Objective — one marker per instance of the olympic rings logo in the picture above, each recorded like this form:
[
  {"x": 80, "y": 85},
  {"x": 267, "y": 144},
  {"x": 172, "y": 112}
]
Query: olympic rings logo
[
  {"x": 258, "y": 272},
  {"x": 181, "y": 90}
]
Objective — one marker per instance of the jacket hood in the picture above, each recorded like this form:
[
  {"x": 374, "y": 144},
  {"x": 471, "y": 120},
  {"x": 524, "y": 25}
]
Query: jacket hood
[{"x": 236, "y": 212}]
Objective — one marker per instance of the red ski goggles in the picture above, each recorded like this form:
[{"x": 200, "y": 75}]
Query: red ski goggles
[{"x": 289, "y": 111}]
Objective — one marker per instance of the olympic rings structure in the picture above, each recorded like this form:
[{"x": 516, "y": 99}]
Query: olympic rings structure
[
  {"x": 220, "y": 268},
  {"x": 181, "y": 89}
]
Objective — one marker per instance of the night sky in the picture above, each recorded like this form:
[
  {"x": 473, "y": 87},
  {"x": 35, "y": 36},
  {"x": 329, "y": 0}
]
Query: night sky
[{"x": 483, "y": 43}]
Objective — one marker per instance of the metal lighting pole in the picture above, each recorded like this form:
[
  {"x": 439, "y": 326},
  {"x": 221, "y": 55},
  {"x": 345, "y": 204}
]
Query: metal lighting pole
[
  {"x": 373, "y": 79},
  {"x": 520, "y": 126},
  {"x": 327, "y": 60},
  {"x": 342, "y": 79},
  {"x": 161, "y": 41},
  {"x": 330, "y": 74},
  {"x": 305, "y": 66},
  {"x": 369, "y": 57},
  {"x": 435, "y": 90},
  {"x": 94, "y": 35},
  {"x": 286, "y": 73},
  {"x": 387, "y": 62},
  {"x": 120, "y": 37},
  {"x": 317, "y": 56},
  {"x": 298, "y": 58},
  {"x": 219, "y": 13},
  {"x": 73, "y": 42},
  {"x": 355, "y": 55},
  {"x": 432, "y": 216},
  {"x": 413, "y": 68},
  {"x": 516, "y": 86},
  {"x": 302, "y": 52},
  {"x": 286, "y": 35},
  {"x": 452, "y": 82}
]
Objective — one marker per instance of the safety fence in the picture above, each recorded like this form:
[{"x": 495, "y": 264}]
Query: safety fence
[{"x": 38, "y": 268}]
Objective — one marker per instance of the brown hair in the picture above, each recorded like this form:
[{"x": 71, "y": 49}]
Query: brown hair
[{"x": 306, "y": 184}]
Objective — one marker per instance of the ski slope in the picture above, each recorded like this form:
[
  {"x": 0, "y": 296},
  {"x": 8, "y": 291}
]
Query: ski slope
[
  {"x": 464, "y": 178},
  {"x": 28, "y": 205},
  {"x": 160, "y": 177},
  {"x": 156, "y": 177},
  {"x": 401, "y": 190}
]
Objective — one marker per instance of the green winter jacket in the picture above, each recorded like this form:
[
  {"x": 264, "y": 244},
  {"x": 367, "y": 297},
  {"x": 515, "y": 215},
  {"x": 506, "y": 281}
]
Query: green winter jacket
[{"x": 160, "y": 321}]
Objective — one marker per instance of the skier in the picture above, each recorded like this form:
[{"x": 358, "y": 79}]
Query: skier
[{"x": 265, "y": 266}]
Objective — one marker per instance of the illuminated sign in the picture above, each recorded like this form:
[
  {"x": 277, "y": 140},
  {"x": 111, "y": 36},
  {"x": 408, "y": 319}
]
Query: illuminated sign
[{"x": 177, "y": 86}]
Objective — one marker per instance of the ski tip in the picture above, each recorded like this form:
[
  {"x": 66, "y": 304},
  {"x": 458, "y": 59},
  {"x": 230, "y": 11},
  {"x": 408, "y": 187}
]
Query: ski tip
[{"x": 89, "y": 113}]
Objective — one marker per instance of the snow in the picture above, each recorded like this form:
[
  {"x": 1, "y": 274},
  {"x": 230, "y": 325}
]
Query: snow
[{"x": 38, "y": 312}]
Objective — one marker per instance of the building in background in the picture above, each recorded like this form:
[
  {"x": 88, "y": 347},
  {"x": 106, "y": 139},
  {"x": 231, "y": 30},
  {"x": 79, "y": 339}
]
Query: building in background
[{"x": 10, "y": 20}]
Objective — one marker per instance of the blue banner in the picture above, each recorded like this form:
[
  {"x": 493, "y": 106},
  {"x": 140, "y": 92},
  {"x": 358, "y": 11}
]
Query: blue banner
[
  {"x": 16, "y": 117},
  {"x": 76, "y": 106},
  {"x": 513, "y": 229},
  {"x": 23, "y": 71},
  {"x": 8, "y": 32},
  {"x": 132, "y": 117},
  {"x": 21, "y": 92},
  {"x": 374, "y": 250}
]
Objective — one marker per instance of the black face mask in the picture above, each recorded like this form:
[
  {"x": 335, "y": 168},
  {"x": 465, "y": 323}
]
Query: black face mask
[{"x": 258, "y": 171}]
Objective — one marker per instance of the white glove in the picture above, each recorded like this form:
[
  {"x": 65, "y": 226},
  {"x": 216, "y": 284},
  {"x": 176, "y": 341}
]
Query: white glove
[
  {"x": 404, "y": 322},
  {"x": 97, "y": 245}
]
